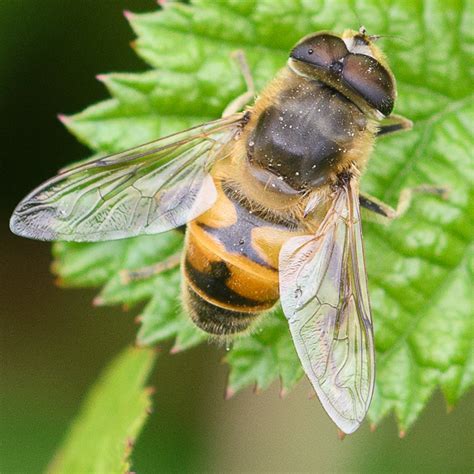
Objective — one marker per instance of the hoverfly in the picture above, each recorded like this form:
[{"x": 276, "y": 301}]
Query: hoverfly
[{"x": 270, "y": 199}]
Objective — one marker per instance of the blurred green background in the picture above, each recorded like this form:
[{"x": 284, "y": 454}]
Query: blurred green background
[{"x": 54, "y": 343}]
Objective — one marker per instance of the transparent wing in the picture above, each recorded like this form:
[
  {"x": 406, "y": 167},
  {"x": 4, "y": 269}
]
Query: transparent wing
[
  {"x": 148, "y": 189},
  {"x": 323, "y": 291}
]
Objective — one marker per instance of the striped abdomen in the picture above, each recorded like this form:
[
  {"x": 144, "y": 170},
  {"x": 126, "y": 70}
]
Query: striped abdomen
[{"x": 230, "y": 264}]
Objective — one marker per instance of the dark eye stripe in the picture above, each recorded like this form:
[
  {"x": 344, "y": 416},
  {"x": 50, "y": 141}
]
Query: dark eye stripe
[
  {"x": 320, "y": 50},
  {"x": 361, "y": 73},
  {"x": 371, "y": 80}
]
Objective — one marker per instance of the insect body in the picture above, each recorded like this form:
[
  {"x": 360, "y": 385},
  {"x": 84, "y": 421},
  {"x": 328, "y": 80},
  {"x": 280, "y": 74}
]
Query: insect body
[
  {"x": 231, "y": 262},
  {"x": 271, "y": 201},
  {"x": 301, "y": 137}
]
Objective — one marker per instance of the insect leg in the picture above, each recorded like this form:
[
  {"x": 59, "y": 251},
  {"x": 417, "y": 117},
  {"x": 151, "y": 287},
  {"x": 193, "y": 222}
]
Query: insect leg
[
  {"x": 378, "y": 207},
  {"x": 242, "y": 100},
  {"x": 393, "y": 124},
  {"x": 147, "y": 272}
]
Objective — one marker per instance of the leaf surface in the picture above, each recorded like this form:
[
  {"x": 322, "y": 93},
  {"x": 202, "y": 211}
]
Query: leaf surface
[{"x": 420, "y": 267}]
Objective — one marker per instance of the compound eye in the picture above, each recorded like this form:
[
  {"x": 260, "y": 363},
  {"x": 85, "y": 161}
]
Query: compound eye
[
  {"x": 370, "y": 80},
  {"x": 320, "y": 50}
]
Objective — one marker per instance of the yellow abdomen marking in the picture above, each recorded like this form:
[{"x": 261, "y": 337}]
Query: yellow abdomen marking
[{"x": 232, "y": 255}]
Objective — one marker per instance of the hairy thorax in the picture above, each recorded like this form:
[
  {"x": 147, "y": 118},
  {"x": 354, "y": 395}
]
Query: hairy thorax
[{"x": 303, "y": 135}]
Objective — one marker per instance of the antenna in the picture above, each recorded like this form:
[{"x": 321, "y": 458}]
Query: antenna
[
  {"x": 395, "y": 37},
  {"x": 359, "y": 21}
]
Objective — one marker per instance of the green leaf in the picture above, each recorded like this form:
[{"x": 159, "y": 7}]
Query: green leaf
[
  {"x": 101, "y": 263},
  {"x": 102, "y": 437},
  {"x": 264, "y": 356},
  {"x": 163, "y": 319},
  {"x": 420, "y": 267}
]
